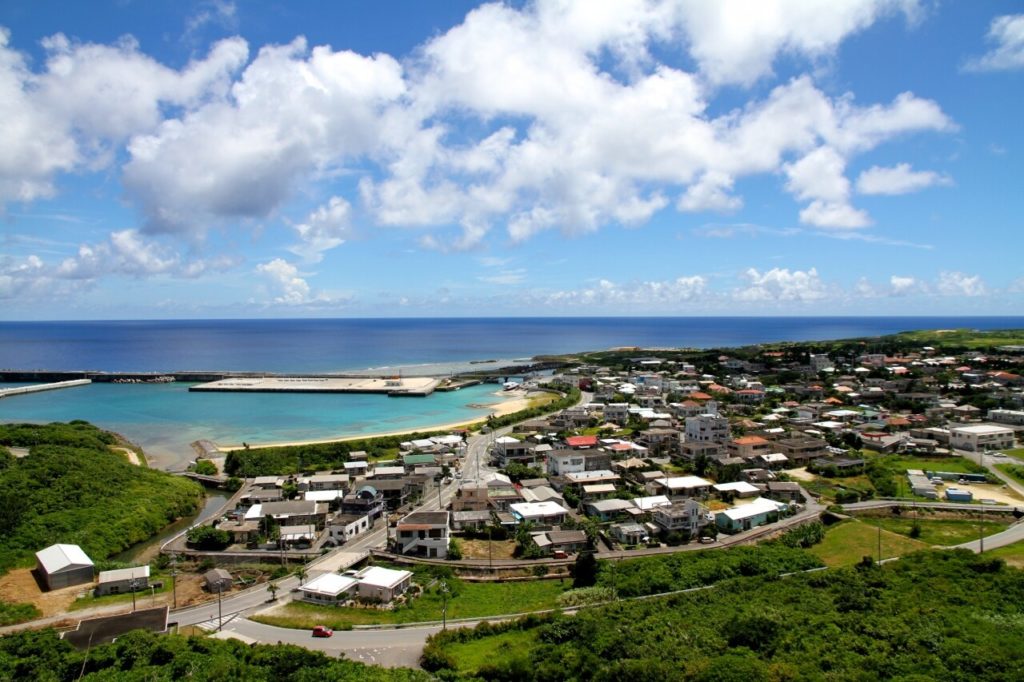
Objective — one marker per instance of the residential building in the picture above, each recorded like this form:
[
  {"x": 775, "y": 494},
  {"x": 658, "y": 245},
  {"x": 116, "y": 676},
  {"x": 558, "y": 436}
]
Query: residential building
[
  {"x": 800, "y": 451},
  {"x": 562, "y": 462},
  {"x": 736, "y": 489},
  {"x": 380, "y": 584},
  {"x": 748, "y": 447},
  {"x": 568, "y": 541},
  {"x": 607, "y": 510},
  {"x": 1015, "y": 417},
  {"x": 680, "y": 486},
  {"x": 329, "y": 588},
  {"x": 686, "y": 517},
  {"x": 981, "y": 437},
  {"x": 344, "y": 527},
  {"x": 508, "y": 450},
  {"x": 423, "y": 533},
  {"x": 705, "y": 428},
  {"x": 123, "y": 580},
  {"x": 542, "y": 513},
  {"x": 755, "y": 513},
  {"x": 366, "y": 501},
  {"x": 297, "y": 512}
]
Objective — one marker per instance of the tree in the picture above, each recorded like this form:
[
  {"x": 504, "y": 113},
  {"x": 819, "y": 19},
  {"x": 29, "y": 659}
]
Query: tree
[
  {"x": 208, "y": 538},
  {"x": 584, "y": 572},
  {"x": 272, "y": 588},
  {"x": 205, "y": 467}
]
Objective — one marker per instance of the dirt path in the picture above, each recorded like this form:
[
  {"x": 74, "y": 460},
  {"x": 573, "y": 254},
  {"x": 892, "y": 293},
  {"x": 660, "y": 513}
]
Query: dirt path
[{"x": 132, "y": 456}]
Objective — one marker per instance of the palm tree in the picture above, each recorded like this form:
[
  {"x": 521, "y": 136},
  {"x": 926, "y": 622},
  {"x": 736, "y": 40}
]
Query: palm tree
[
  {"x": 272, "y": 588},
  {"x": 301, "y": 572}
]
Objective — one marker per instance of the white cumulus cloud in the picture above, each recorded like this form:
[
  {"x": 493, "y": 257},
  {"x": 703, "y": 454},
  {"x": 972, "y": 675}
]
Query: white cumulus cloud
[
  {"x": 899, "y": 179},
  {"x": 781, "y": 284},
  {"x": 961, "y": 284},
  {"x": 1006, "y": 33},
  {"x": 326, "y": 228}
]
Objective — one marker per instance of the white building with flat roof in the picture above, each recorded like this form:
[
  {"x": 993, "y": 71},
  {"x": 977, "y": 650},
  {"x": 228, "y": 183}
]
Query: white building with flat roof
[
  {"x": 377, "y": 583},
  {"x": 329, "y": 588},
  {"x": 979, "y": 437}
]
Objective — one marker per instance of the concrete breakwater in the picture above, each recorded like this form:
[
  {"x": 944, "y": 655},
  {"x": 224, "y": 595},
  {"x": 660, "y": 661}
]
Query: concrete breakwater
[
  {"x": 36, "y": 388},
  {"x": 392, "y": 386}
]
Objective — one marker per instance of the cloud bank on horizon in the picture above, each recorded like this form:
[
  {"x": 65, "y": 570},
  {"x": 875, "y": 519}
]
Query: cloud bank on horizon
[{"x": 553, "y": 157}]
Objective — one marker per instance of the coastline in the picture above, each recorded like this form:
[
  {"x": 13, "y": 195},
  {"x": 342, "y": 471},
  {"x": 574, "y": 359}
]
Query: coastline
[{"x": 514, "y": 402}]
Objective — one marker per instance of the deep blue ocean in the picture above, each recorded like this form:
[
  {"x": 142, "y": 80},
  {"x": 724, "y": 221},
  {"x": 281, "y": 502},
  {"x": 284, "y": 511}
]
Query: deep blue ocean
[
  {"x": 166, "y": 418},
  {"x": 346, "y": 344}
]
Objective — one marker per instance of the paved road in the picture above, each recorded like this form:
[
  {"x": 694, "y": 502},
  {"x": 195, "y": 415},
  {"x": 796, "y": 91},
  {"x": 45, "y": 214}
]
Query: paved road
[{"x": 390, "y": 648}]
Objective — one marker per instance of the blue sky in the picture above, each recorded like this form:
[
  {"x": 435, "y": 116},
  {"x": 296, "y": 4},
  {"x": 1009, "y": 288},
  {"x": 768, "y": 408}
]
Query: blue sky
[{"x": 222, "y": 159}]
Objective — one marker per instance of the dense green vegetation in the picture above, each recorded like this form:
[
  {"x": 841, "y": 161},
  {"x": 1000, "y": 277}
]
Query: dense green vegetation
[
  {"x": 44, "y": 657},
  {"x": 291, "y": 459},
  {"x": 653, "y": 575},
  {"x": 72, "y": 488},
  {"x": 931, "y": 615},
  {"x": 17, "y": 613}
]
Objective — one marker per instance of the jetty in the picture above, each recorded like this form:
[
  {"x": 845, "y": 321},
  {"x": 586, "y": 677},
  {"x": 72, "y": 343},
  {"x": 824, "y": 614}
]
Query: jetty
[
  {"x": 36, "y": 388},
  {"x": 391, "y": 386}
]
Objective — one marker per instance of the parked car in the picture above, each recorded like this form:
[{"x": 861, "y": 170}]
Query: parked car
[
  {"x": 322, "y": 631},
  {"x": 706, "y": 540}
]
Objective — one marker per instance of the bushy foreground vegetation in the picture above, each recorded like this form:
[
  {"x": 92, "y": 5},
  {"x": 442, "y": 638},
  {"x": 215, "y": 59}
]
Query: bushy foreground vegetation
[
  {"x": 72, "y": 488},
  {"x": 931, "y": 615},
  {"x": 43, "y": 657}
]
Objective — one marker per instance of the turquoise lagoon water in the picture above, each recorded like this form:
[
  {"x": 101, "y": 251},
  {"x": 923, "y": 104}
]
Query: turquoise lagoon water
[{"x": 165, "y": 418}]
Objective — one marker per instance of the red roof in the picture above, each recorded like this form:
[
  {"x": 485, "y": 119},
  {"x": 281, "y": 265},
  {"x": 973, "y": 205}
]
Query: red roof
[
  {"x": 700, "y": 396},
  {"x": 581, "y": 441}
]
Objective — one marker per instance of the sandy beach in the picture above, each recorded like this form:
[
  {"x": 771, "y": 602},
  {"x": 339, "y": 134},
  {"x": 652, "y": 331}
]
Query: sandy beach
[{"x": 507, "y": 403}]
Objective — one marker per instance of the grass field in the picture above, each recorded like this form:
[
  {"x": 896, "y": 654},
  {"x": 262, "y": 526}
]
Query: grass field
[
  {"x": 848, "y": 542},
  {"x": 1014, "y": 471},
  {"x": 966, "y": 338},
  {"x": 940, "y": 532},
  {"x": 466, "y": 600},
  {"x": 472, "y": 656},
  {"x": 1011, "y": 554},
  {"x": 956, "y": 465}
]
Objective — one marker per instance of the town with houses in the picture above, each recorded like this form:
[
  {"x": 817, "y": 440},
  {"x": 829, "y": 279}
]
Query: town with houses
[{"x": 659, "y": 454}]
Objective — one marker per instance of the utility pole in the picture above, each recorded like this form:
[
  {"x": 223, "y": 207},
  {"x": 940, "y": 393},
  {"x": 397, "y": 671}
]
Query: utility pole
[
  {"x": 879, "y": 543},
  {"x": 220, "y": 613},
  {"x": 131, "y": 586},
  {"x": 981, "y": 532},
  {"x": 490, "y": 552},
  {"x": 174, "y": 578},
  {"x": 444, "y": 605}
]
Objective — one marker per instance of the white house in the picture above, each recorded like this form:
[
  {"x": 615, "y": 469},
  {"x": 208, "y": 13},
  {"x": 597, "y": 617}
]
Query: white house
[
  {"x": 424, "y": 533},
  {"x": 377, "y": 583},
  {"x": 981, "y": 437},
  {"x": 680, "y": 486},
  {"x": 329, "y": 588},
  {"x": 545, "y": 513},
  {"x": 756, "y": 513},
  {"x": 705, "y": 428}
]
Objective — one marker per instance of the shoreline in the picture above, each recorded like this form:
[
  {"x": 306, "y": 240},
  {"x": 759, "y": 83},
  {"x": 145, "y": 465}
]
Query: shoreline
[{"x": 514, "y": 403}]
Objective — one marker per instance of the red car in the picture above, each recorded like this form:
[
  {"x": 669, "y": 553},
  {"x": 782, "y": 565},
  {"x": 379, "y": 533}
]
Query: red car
[{"x": 322, "y": 631}]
